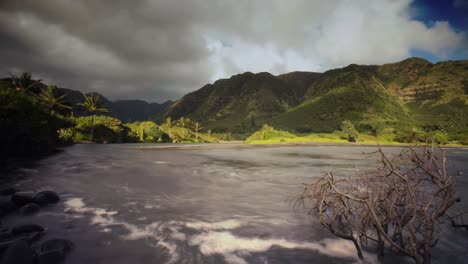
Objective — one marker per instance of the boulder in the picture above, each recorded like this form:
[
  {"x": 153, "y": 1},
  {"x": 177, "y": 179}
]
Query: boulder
[
  {"x": 22, "y": 198},
  {"x": 5, "y": 236},
  {"x": 8, "y": 191},
  {"x": 7, "y": 207},
  {"x": 18, "y": 253},
  {"x": 26, "y": 229},
  {"x": 57, "y": 244},
  {"x": 46, "y": 197},
  {"x": 30, "y": 208},
  {"x": 51, "y": 257},
  {"x": 6, "y": 243}
]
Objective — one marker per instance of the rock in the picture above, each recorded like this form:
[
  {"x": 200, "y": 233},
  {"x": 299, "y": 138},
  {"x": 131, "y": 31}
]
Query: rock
[
  {"x": 26, "y": 229},
  {"x": 33, "y": 236},
  {"x": 5, "y": 244},
  {"x": 57, "y": 244},
  {"x": 7, "y": 207},
  {"x": 8, "y": 191},
  {"x": 51, "y": 257},
  {"x": 5, "y": 236},
  {"x": 22, "y": 198},
  {"x": 30, "y": 208},
  {"x": 18, "y": 253},
  {"x": 46, "y": 197}
]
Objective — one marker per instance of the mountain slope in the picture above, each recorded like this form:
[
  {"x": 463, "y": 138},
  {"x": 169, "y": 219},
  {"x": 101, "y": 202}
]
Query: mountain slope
[
  {"x": 127, "y": 111},
  {"x": 437, "y": 96},
  {"x": 353, "y": 93},
  {"x": 242, "y": 102},
  {"x": 413, "y": 93}
]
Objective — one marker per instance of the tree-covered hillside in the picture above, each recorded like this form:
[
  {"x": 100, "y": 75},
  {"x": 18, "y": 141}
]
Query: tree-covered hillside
[{"x": 411, "y": 94}]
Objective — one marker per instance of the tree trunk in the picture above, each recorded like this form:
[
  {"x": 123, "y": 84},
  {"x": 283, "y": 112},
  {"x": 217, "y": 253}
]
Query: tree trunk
[
  {"x": 92, "y": 128},
  {"x": 358, "y": 248}
]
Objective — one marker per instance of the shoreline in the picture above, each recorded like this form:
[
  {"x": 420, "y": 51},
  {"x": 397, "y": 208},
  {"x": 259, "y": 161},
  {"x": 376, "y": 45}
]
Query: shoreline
[{"x": 238, "y": 145}]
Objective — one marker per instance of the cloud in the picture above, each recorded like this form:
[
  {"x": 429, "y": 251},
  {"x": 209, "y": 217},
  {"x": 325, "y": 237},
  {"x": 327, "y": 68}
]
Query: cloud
[{"x": 157, "y": 49}]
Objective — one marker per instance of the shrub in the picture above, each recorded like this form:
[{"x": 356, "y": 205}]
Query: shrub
[
  {"x": 106, "y": 129},
  {"x": 440, "y": 137},
  {"x": 349, "y": 131},
  {"x": 267, "y": 133}
]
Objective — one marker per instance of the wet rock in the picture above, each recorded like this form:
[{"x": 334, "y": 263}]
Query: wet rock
[
  {"x": 5, "y": 236},
  {"x": 7, "y": 207},
  {"x": 46, "y": 197},
  {"x": 5, "y": 244},
  {"x": 33, "y": 236},
  {"x": 57, "y": 244},
  {"x": 22, "y": 198},
  {"x": 26, "y": 229},
  {"x": 51, "y": 257},
  {"x": 18, "y": 253},
  {"x": 30, "y": 208},
  {"x": 8, "y": 191}
]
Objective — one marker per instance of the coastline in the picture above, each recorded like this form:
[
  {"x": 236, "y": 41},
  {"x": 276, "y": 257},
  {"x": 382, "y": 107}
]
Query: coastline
[{"x": 241, "y": 145}]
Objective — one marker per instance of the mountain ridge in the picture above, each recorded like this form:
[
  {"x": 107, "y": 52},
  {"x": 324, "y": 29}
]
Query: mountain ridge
[{"x": 396, "y": 95}]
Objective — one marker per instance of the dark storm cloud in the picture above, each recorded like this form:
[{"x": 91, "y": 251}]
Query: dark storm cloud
[
  {"x": 119, "y": 48},
  {"x": 161, "y": 49}
]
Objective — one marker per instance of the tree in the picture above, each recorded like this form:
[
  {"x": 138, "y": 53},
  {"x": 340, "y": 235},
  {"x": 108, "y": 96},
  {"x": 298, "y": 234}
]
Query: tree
[
  {"x": 51, "y": 100},
  {"x": 24, "y": 82},
  {"x": 349, "y": 131},
  {"x": 186, "y": 124},
  {"x": 197, "y": 127},
  {"x": 93, "y": 105},
  {"x": 210, "y": 134},
  {"x": 401, "y": 204},
  {"x": 170, "y": 124}
]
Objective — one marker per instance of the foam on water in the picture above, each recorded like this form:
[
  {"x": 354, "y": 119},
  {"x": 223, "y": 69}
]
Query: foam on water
[
  {"x": 211, "y": 238},
  {"x": 106, "y": 219},
  {"x": 229, "y": 246}
]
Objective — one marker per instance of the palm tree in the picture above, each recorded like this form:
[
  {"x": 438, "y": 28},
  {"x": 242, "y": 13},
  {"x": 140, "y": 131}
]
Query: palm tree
[
  {"x": 24, "y": 82},
  {"x": 93, "y": 105},
  {"x": 170, "y": 124},
  {"x": 197, "y": 127},
  {"x": 184, "y": 122},
  {"x": 51, "y": 100}
]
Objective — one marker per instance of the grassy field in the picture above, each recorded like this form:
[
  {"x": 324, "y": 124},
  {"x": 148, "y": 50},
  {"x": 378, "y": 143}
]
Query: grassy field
[{"x": 268, "y": 135}]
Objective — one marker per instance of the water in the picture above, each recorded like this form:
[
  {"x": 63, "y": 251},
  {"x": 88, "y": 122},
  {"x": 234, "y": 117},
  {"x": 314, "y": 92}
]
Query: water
[{"x": 226, "y": 205}]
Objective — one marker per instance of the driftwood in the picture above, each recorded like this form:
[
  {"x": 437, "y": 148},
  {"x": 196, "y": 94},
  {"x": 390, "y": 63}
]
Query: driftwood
[{"x": 401, "y": 204}]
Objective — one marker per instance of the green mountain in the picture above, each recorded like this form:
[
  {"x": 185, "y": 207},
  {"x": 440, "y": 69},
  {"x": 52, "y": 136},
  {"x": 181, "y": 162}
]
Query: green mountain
[
  {"x": 242, "y": 102},
  {"x": 413, "y": 93}
]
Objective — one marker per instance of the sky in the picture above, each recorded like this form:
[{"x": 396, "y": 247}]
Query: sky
[{"x": 157, "y": 50}]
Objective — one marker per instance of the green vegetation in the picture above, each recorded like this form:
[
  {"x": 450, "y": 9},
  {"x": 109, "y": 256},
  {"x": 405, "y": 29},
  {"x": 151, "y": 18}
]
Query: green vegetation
[
  {"x": 50, "y": 98},
  {"x": 269, "y": 134},
  {"x": 413, "y": 101},
  {"x": 349, "y": 131},
  {"x": 28, "y": 127},
  {"x": 147, "y": 132},
  {"x": 93, "y": 105},
  {"x": 100, "y": 129},
  {"x": 384, "y": 101}
]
